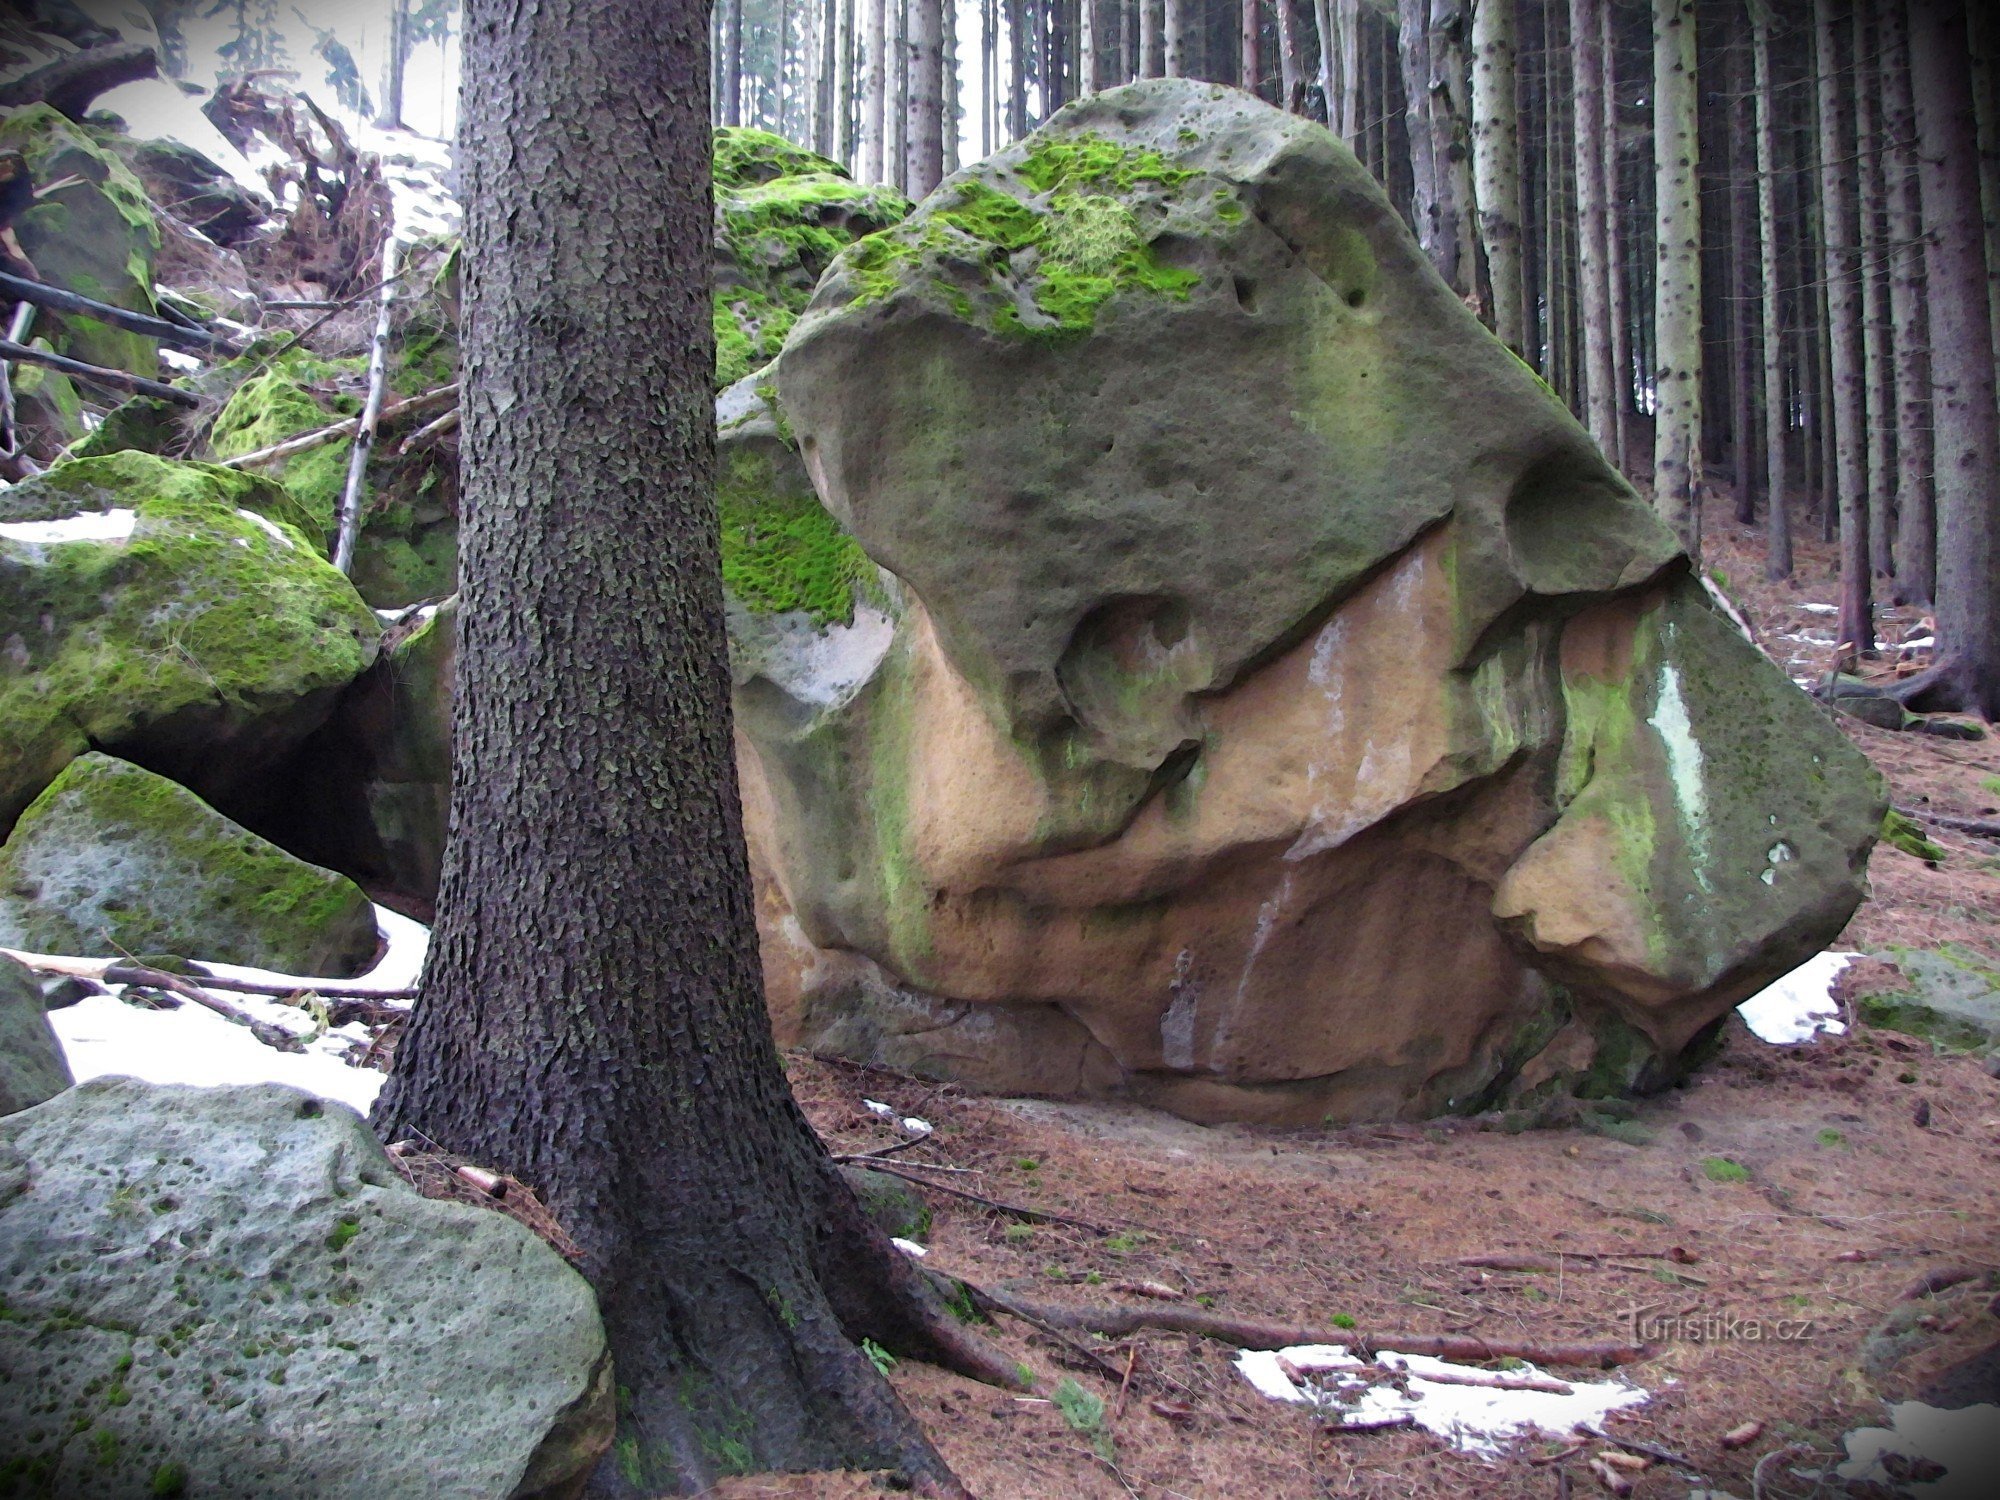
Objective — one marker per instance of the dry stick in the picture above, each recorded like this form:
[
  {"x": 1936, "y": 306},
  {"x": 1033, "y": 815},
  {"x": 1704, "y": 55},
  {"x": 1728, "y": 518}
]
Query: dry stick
[
  {"x": 21, "y": 289},
  {"x": 319, "y": 437},
  {"x": 159, "y": 979},
  {"x": 1248, "y": 1334},
  {"x": 1665, "y": 1456},
  {"x": 1019, "y": 1211},
  {"x": 93, "y": 968},
  {"x": 115, "y": 380},
  {"x": 992, "y": 1302},
  {"x": 446, "y": 423},
  {"x": 371, "y": 413}
]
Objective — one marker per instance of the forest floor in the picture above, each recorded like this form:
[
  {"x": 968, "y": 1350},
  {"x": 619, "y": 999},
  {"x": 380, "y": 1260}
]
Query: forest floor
[{"x": 1868, "y": 1162}]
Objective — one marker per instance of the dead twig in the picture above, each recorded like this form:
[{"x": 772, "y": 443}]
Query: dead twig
[
  {"x": 94, "y": 968},
  {"x": 348, "y": 531},
  {"x": 1644, "y": 1450},
  {"x": 97, "y": 375},
  {"x": 1249, "y": 1334},
  {"x": 1017, "y": 1210},
  {"x": 305, "y": 442}
]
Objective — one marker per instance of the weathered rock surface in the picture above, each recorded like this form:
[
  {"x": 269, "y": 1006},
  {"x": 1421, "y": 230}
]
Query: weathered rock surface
[
  {"x": 185, "y": 622},
  {"x": 96, "y": 237},
  {"x": 32, "y": 1065},
  {"x": 231, "y": 1292},
  {"x": 112, "y": 859},
  {"x": 781, "y": 215},
  {"x": 1286, "y": 712}
]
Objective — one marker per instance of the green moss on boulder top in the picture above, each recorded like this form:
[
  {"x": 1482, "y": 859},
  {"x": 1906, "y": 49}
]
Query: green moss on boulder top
[
  {"x": 781, "y": 215},
  {"x": 112, "y": 859},
  {"x": 97, "y": 237},
  {"x": 201, "y": 635},
  {"x": 298, "y": 393}
]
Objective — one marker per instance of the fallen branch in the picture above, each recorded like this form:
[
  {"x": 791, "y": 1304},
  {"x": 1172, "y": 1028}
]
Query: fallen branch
[
  {"x": 349, "y": 529},
  {"x": 1644, "y": 1450},
  {"x": 1249, "y": 1334},
  {"x": 1489, "y": 1380},
  {"x": 69, "y": 84},
  {"x": 174, "y": 984},
  {"x": 1943, "y": 1279},
  {"x": 444, "y": 424},
  {"x": 55, "y": 298},
  {"x": 992, "y": 1302},
  {"x": 97, "y": 375},
  {"x": 1018, "y": 1210},
  {"x": 94, "y": 968},
  {"x": 319, "y": 437},
  {"x": 1986, "y": 828}
]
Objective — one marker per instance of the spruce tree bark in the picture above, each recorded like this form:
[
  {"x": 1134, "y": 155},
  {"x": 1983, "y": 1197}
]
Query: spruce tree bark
[
  {"x": 1965, "y": 423},
  {"x": 1916, "y": 519},
  {"x": 1496, "y": 159},
  {"x": 1176, "y": 38},
  {"x": 1777, "y": 516},
  {"x": 1593, "y": 231},
  {"x": 1614, "y": 260},
  {"x": 1982, "y": 30},
  {"x": 1349, "y": 23},
  {"x": 1288, "y": 54},
  {"x": 1249, "y": 47},
  {"x": 1677, "y": 447},
  {"x": 1151, "y": 60},
  {"x": 1841, "y": 260},
  {"x": 591, "y": 1019},
  {"x": 925, "y": 169},
  {"x": 1743, "y": 276}
]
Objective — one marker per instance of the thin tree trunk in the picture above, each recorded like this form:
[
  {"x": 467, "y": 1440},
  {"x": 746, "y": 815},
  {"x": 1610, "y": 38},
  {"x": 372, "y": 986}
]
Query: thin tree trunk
[
  {"x": 1677, "y": 447},
  {"x": 1087, "y": 23},
  {"x": 1916, "y": 524},
  {"x": 1496, "y": 157},
  {"x": 1348, "y": 13},
  {"x": 1841, "y": 259},
  {"x": 1876, "y": 336},
  {"x": 1593, "y": 230},
  {"x": 733, "y": 1267},
  {"x": 1426, "y": 203},
  {"x": 1983, "y": 38},
  {"x": 1777, "y": 518},
  {"x": 874, "y": 157},
  {"x": 925, "y": 168},
  {"x": 1329, "y": 59},
  {"x": 391, "y": 117},
  {"x": 1176, "y": 38},
  {"x": 1614, "y": 259},
  {"x": 897, "y": 45},
  {"x": 1743, "y": 276},
  {"x": 1151, "y": 61},
  {"x": 1288, "y": 54},
  {"x": 1964, "y": 418}
]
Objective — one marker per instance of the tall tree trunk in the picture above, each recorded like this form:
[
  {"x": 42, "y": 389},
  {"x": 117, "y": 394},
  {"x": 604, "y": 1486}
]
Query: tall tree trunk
[
  {"x": 1496, "y": 157},
  {"x": 1329, "y": 60},
  {"x": 1677, "y": 448},
  {"x": 1777, "y": 518},
  {"x": 1964, "y": 419},
  {"x": 1250, "y": 48},
  {"x": 897, "y": 45},
  {"x": 1743, "y": 276},
  {"x": 1593, "y": 230},
  {"x": 1841, "y": 260},
  {"x": 1427, "y": 204},
  {"x": 1876, "y": 336},
  {"x": 1177, "y": 38},
  {"x": 925, "y": 169},
  {"x": 1614, "y": 259},
  {"x": 1916, "y": 524},
  {"x": 1288, "y": 54},
  {"x": 1151, "y": 60},
  {"x": 1983, "y": 37},
  {"x": 874, "y": 108},
  {"x": 734, "y": 1269},
  {"x": 1348, "y": 14},
  {"x": 1092, "y": 80},
  {"x": 391, "y": 117}
]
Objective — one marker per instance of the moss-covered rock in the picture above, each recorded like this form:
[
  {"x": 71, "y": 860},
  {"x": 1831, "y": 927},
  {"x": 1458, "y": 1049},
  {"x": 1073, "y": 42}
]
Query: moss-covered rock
[
  {"x": 144, "y": 424},
  {"x": 1953, "y": 1000},
  {"x": 96, "y": 237},
  {"x": 191, "y": 625},
  {"x": 32, "y": 1065},
  {"x": 112, "y": 859},
  {"x": 297, "y": 393},
  {"x": 781, "y": 215}
]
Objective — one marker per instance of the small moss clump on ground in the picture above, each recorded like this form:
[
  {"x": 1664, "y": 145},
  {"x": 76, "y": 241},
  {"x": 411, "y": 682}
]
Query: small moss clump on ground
[{"x": 1906, "y": 834}]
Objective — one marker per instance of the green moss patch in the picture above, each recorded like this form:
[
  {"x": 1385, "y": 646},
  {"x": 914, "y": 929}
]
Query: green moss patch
[
  {"x": 1907, "y": 834},
  {"x": 781, "y": 550},
  {"x": 297, "y": 394}
]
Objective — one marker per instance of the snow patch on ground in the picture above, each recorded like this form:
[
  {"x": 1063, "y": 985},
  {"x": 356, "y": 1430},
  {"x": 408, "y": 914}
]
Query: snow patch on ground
[
  {"x": 91, "y": 526},
  {"x": 1478, "y": 1419},
  {"x": 103, "y": 1036},
  {"x": 1801, "y": 1005},
  {"x": 1966, "y": 1443}
]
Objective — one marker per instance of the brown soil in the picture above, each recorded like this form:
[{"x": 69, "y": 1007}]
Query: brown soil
[{"x": 1844, "y": 1202}]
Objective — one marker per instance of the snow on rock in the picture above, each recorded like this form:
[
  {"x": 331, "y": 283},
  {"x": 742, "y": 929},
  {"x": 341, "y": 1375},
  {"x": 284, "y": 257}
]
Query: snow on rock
[
  {"x": 103, "y": 1036},
  {"x": 90, "y": 526},
  {"x": 269, "y": 525},
  {"x": 1481, "y": 1419},
  {"x": 1801, "y": 1005},
  {"x": 1965, "y": 1443}
]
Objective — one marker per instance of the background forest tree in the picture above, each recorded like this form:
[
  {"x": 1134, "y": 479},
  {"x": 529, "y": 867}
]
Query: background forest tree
[{"x": 1703, "y": 222}]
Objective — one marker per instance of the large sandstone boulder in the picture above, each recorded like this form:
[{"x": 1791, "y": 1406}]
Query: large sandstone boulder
[
  {"x": 32, "y": 1065},
  {"x": 1285, "y": 710},
  {"x": 172, "y": 613},
  {"x": 231, "y": 1292},
  {"x": 112, "y": 859}
]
